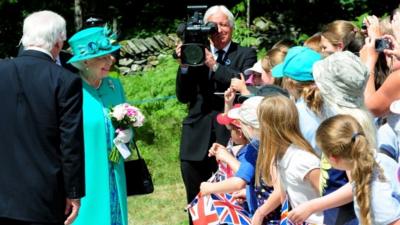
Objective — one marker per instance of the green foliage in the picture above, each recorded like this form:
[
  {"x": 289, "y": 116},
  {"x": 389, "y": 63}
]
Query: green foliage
[
  {"x": 359, "y": 19},
  {"x": 302, "y": 37},
  {"x": 243, "y": 35},
  {"x": 350, "y": 5},
  {"x": 240, "y": 8}
]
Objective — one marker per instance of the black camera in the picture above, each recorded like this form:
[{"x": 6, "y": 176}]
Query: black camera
[
  {"x": 194, "y": 34},
  {"x": 382, "y": 44}
]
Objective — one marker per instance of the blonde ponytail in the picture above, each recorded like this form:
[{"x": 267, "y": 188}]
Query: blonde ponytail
[{"x": 342, "y": 136}]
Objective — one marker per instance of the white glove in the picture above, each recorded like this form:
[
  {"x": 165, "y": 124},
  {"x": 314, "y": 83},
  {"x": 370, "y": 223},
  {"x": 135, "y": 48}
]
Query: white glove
[{"x": 124, "y": 136}]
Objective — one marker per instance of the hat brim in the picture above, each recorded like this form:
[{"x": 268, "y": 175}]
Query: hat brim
[
  {"x": 277, "y": 71},
  {"x": 78, "y": 58},
  {"x": 223, "y": 119},
  {"x": 248, "y": 71}
]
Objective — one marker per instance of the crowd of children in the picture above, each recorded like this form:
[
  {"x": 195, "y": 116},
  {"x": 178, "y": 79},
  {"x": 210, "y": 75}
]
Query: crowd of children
[{"x": 319, "y": 126}]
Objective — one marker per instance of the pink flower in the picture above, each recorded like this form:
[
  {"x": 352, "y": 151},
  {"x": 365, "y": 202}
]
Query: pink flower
[{"x": 125, "y": 115}]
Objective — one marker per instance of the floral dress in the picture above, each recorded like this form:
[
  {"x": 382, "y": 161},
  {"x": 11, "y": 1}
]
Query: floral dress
[{"x": 262, "y": 193}]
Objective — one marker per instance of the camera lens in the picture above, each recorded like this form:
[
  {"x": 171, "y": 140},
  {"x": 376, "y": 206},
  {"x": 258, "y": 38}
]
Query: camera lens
[{"x": 192, "y": 54}]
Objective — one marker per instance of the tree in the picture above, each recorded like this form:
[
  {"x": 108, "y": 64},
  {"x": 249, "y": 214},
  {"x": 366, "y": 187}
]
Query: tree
[{"x": 78, "y": 15}]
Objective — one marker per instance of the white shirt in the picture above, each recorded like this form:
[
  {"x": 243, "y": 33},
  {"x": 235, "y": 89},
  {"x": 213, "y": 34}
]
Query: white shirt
[
  {"x": 293, "y": 168},
  {"x": 385, "y": 195},
  {"x": 215, "y": 53}
]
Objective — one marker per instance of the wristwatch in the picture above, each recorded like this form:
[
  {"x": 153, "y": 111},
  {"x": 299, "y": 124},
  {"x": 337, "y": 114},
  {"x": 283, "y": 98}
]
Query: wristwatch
[{"x": 215, "y": 67}]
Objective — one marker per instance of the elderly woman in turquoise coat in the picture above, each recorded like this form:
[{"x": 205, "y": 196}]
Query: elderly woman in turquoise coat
[{"x": 105, "y": 202}]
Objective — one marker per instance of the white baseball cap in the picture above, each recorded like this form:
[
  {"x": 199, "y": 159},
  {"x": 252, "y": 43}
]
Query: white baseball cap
[{"x": 247, "y": 112}]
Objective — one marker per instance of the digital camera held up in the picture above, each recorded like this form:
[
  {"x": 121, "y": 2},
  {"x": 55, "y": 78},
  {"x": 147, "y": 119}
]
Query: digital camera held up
[
  {"x": 381, "y": 44},
  {"x": 194, "y": 34}
]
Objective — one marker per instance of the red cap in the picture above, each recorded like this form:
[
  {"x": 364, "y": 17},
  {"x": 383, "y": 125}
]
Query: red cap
[{"x": 224, "y": 119}]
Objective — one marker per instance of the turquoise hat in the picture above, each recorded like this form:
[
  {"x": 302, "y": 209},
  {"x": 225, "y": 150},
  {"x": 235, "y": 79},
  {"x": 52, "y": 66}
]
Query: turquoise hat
[
  {"x": 92, "y": 43},
  {"x": 297, "y": 64}
]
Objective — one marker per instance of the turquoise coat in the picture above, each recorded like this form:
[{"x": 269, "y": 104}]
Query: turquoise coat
[{"x": 98, "y": 136}]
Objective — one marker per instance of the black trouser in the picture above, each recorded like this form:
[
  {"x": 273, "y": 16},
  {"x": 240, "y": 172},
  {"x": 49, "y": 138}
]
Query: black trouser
[
  {"x": 6, "y": 221},
  {"x": 195, "y": 172}
]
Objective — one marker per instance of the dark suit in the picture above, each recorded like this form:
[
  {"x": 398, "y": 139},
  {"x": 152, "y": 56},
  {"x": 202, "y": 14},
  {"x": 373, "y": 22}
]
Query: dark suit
[
  {"x": 41, "y": 147},
  {"x": 200, "y": 129}
]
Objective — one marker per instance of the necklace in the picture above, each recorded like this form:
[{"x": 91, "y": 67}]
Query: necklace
[{"x": 94, "y": 83}]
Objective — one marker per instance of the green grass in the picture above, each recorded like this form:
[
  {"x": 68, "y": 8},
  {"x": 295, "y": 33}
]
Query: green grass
[
  {"x": 158, "y": 140},
  {"x": 165, "y": 206}
]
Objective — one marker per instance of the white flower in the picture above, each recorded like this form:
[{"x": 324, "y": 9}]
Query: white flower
[
  {"x": 119, "y": 112},
  {"x": 139, "y": 119}
]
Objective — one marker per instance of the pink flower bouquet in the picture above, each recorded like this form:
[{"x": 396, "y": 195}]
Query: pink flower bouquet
[{"x": 124, "y": 117}]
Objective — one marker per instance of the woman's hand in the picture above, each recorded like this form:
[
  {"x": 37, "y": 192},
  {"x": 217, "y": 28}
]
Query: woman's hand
[
  {"x": 368, "y": 54},
  {"x": 373, "y": 28},
  {"x": 124, "y": 136},
  {"x": 395, "y": 48},
  {"x": 396, "y": 26}
]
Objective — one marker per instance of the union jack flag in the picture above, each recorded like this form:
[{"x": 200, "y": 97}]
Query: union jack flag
[
  {"x": 224, "y": 172},
  {"x": 218, "y": 209},
  {"x": 285, "y": 212},
  {"x": 202, "y": 211},
  {"x": 229, "y": 211}
]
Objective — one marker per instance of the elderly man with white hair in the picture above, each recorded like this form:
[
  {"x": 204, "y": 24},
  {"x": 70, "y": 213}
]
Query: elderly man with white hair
[{"x": 41, "y": 147}]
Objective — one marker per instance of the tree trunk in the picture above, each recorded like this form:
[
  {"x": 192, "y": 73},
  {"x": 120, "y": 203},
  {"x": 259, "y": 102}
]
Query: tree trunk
[
  {"x": 248, "y": 14},
  {"x": 114, "y": 25},
  {"x": 78, "y": 15}
]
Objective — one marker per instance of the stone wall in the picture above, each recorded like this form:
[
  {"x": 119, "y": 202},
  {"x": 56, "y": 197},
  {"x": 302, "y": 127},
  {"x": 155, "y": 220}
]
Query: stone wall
[{"x": 142, "y": 54}]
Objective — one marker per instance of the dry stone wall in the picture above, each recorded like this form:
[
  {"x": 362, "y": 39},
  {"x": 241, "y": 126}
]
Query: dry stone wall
[{"x": 142, "y": 54}]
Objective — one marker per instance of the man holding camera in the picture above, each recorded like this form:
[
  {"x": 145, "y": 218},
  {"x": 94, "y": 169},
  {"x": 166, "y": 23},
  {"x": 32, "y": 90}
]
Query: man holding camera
[{"x": 198, "y": 86}]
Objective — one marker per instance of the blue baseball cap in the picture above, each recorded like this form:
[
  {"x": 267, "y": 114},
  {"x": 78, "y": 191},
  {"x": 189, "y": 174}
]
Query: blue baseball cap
[{"x": 297, "y": 64}]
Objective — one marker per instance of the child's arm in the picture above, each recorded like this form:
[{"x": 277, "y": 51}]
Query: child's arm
[
  {"x": 337, "y": 198},
  {"x": 229, "y": 97},
  {"x": 313, "y": 178},
  {"x": 397, "y": 222},
  {"x": 226, "y": 186},
  {"x": 273, "y": 201}
]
